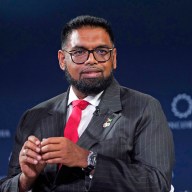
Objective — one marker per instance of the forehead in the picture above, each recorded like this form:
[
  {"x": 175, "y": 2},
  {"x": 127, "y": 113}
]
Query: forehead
[{"x": 89, "y": 37}]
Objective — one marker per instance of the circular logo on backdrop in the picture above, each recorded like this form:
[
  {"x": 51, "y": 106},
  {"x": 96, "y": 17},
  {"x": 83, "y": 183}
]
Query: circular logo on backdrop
[{"x": 178, "y": 102}]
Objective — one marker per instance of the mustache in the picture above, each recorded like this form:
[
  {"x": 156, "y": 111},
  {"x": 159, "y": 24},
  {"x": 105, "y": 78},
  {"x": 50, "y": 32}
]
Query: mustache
[{"x": 91, "y": 69}]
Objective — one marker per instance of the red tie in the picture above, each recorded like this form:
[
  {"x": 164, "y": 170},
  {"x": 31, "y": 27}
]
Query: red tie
[{"x": 71, "y": 127}]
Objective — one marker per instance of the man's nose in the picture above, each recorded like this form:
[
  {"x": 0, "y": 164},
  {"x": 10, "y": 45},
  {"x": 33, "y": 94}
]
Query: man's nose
[{"x": 91, "y": 59}]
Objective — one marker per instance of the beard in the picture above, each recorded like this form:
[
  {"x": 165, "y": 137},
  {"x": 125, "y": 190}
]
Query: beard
[{"x": 89, "y": 86}]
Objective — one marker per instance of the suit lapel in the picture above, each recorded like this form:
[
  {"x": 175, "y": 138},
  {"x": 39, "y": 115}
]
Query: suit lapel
[
  {"x": 52, "y": 126},
  {"x": 102, "y": 122},
  {"x": 53, "y": 122}
]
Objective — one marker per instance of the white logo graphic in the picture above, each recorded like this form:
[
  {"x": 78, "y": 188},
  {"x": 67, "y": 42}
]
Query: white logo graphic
[
  {"x": 5, "y": 133},
  {"x": 174, "y": 106}
]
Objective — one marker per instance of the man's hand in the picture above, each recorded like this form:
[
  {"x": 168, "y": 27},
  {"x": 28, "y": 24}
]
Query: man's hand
[
  {"x": 31, "y": 162},
  {"x": 61, "y": 150}
]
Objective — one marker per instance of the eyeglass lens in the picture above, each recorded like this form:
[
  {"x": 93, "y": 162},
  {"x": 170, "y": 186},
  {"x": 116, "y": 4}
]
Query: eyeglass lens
[{"x": 100, "y": 54}]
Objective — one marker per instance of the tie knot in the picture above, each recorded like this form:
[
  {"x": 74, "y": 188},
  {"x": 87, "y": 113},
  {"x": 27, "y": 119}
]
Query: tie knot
[{"x": 81, "y": 104}]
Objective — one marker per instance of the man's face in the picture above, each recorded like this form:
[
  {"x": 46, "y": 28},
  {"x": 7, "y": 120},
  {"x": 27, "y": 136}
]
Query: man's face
[{"x": 92, "y": 76}]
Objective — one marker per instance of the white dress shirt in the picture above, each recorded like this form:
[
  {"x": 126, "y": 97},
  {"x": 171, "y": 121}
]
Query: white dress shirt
[{"x": 87, "y": 113}]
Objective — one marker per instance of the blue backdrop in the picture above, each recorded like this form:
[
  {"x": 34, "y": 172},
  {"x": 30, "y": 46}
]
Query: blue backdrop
[{"x": 154, "y": 43}]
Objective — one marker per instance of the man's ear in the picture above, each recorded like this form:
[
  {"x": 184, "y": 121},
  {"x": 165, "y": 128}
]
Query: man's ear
[
  {"x": 61, "y": 58},
  {"x": 114, "y": 55}
]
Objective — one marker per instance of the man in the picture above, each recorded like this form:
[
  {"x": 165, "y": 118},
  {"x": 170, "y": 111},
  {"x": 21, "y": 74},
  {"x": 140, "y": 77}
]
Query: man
[{"x": 122, "y": 142}]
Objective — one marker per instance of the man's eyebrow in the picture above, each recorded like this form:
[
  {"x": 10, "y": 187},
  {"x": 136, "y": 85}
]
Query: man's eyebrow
[
  {"x": 103, "y": 46},
  {"x": 81, "y": 47},
  {"x": 77, "y": 47}
]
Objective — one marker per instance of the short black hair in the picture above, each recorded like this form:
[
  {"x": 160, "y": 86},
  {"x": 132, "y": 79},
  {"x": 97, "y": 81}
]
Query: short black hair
[{"x": 82, "y": 21}]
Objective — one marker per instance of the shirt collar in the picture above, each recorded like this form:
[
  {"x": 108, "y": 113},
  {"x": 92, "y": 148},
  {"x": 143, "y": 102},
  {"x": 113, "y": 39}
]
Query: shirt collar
[{"x": 93, "y": 100}]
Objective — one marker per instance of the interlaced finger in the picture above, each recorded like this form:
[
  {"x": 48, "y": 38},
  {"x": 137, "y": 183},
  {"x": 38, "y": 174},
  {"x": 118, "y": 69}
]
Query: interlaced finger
[{"x": 32, "y": 146}]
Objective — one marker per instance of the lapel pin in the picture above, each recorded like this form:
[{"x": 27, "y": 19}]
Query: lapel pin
[{"x": 107, "y": 123}]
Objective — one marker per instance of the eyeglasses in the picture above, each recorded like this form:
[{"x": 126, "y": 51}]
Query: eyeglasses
[{"x": 79, "y": 56}]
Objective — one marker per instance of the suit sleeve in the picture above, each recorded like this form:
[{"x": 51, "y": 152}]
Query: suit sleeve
[
  {"x": 152, "y": 158},
  {"x": 10, "y": 183}
]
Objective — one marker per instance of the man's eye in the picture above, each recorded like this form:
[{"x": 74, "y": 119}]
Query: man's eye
[
  {"x": 78, "y": 53},
  {"x": 102, "y": 51}
]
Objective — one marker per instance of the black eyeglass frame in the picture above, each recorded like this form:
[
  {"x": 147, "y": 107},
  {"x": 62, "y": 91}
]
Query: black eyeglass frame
[{"x": 89, "y": 51}]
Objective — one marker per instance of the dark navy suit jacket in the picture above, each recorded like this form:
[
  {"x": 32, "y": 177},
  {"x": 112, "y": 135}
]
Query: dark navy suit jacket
[{"x": 129, "y": 132}]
